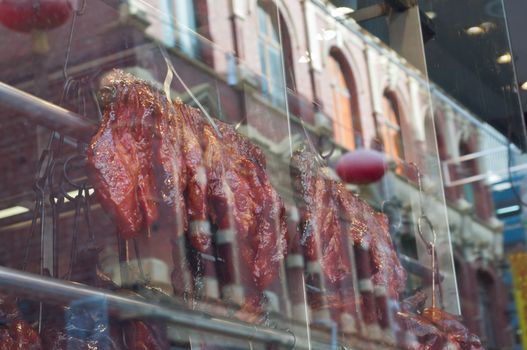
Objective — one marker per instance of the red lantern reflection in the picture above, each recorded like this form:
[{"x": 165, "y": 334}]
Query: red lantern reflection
[{"x": 361, "y": 167}]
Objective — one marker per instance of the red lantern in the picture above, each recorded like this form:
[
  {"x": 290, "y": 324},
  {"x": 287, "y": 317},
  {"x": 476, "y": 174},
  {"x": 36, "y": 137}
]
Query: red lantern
[
  {"x": 361, "y": 167},
  {"x": 35, "y": 16}
]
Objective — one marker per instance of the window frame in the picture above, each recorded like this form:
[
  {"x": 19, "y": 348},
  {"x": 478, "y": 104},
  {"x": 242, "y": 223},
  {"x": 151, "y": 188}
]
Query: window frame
[
  {"x": 276, "y": 38},
  {"x": 391, "y": 129},
  {"x": 342, "y": 83}
]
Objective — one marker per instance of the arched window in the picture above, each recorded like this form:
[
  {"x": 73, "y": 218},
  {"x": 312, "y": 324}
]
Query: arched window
[
  {"x": 391, "y": 128},
  {"x": 346, "y": 122},
  {"x": 274, "y": 47}
]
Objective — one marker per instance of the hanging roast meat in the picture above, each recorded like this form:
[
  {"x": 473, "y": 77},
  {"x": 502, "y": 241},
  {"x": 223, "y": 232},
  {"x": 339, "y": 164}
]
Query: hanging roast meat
[
  {"x": 436, "y": 329},
  {"x": 226, "y": 182},
  {"x": 150, "y": 154},
  {"x": 243, "y": 199},
  {"x": 141, "y": 161},
  {"x": 175, "y": 162},
  {"x": 427, "y": 336},
  {"x": 332, "y": 219},
  {"x": 121, "y": 154},
  {"x": 456, "y": 331},
  {"x": 183, "y": 186},
  {"x": 15, "y": 333},
  {"x": 433, "y": 328},
  {"x": 369, "y": 228},
  {"x": 321, "y": 229},
  {"x": 148, "y": 151}
]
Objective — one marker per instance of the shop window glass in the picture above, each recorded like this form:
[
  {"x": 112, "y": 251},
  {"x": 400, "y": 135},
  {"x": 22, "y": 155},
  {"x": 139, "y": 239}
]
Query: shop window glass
[{"x": 191, "y": 213}]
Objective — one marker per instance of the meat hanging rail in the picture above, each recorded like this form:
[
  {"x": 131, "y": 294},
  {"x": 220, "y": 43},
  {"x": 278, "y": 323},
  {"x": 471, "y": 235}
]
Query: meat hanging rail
[
  {"x": 47, "y": 114},
  {"x": 72, "y": 124},
  {"x": 39, "y": 288},
  {"x": 43, "y": 288}
]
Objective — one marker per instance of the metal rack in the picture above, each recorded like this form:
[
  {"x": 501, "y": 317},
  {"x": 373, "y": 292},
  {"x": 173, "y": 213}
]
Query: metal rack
[
  {"x": 69, "y": 123},
  {"x": 47, "y": 114},
  {"x": 50, "y": 290},
  {"x": 41, "y": 288}
]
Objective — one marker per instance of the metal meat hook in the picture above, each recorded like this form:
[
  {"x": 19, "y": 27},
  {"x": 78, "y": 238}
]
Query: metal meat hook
[
  {"x": 67, "y": 165},
  {"x": 44, "y": 167},
  {"x": 430, "y": 244},
  {"x": 423, "y": 217},
  {"x": 79, "y": 10},
  {"x": 171, "y": 72}
]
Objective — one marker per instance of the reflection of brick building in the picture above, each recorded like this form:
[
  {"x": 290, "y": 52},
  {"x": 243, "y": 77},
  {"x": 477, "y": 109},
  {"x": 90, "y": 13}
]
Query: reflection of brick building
[
  {"x": 340, "y": 82},
  {"x": 463, "y": 143}
]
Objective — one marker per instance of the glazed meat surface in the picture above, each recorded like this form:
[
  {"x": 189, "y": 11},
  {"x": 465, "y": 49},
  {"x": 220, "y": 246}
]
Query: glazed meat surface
[
  {"x": 333, "y": 218},
  {"x": 169, "y": 165},
  {"x": 452, "y": 326},
  {"x": 120, "y": 155},
  {"x": 242, "y": 198},
  {"x": 182, "y": 181},
  {"x": 16, "y": 333},
  {"x": 436, "y": 329},
  {"x": 427, "y": 336},
  {"x": 151, "y": 154},
  {"x": 191, "y": 126},
  {"x": 147, "y": 152},
  {"x": 321, "y": 231},
  {"x": 139, "y": 335},
  {"x": 433, "y": 328}
]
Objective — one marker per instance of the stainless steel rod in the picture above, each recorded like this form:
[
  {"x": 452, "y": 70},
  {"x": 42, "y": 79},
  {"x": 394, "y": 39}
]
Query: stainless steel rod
[
  {"x": 38, "y": 288},
  {"x": 46, "y": 113}
]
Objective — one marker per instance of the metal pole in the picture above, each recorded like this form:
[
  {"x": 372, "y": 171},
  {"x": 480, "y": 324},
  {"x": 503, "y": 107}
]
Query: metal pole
[
  {"x": 40, "y": 288},
  {"x": 46, "y": 114}
]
